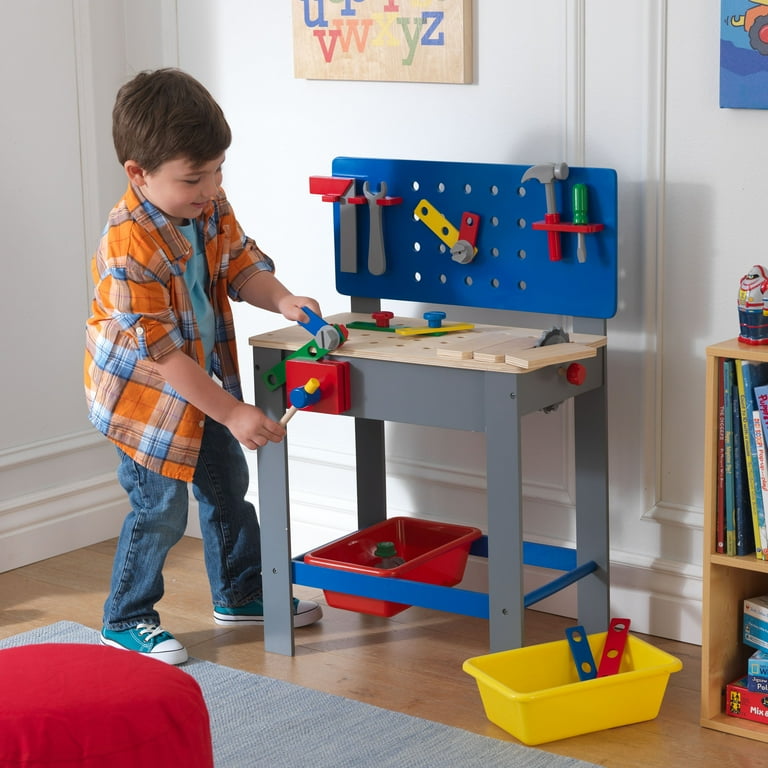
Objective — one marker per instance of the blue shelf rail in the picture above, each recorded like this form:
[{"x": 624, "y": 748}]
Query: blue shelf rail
[{"x": 449, "y": 599}]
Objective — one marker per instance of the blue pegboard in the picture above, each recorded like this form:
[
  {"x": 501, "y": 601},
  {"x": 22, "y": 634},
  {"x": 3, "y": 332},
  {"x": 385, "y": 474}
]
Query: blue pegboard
[{"x": 512, "y": 269}]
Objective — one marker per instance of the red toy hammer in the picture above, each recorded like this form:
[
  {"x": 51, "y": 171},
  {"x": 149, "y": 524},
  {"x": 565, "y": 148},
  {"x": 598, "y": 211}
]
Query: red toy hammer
[{"x": 546, "y": 174}]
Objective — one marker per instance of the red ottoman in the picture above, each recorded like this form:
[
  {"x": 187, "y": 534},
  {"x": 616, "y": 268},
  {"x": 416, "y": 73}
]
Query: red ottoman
[{"x": 82, "y": 706}]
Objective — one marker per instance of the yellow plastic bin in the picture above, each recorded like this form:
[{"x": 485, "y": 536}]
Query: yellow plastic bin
[{"x": 535, "y": 693}]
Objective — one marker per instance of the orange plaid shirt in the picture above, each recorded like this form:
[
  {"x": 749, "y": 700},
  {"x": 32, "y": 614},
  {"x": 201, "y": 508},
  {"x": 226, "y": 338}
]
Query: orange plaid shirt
[{"x": 142, "y": 311}]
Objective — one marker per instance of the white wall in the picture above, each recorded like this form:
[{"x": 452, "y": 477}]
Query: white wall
[{"x": 564, "y": 80}]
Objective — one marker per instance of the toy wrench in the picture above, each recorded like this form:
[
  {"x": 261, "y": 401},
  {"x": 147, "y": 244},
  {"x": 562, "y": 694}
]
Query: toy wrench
[
  {"x": 327, "y": 336},
  {"x": 377, "y": 263}
]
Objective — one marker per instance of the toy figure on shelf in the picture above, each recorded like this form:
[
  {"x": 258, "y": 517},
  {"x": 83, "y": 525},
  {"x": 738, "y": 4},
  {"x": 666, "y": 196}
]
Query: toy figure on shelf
[{"x": 753, "y": 306}]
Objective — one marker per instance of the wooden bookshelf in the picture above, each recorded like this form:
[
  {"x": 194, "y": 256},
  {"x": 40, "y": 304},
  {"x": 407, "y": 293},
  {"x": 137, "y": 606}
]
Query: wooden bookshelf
[{"x": 727, "y": 581}]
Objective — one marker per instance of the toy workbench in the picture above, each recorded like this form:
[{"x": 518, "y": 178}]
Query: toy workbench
[{"x": 530, "y": 238}]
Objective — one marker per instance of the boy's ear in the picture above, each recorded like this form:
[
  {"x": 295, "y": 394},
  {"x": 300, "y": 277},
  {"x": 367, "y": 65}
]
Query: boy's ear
[{"x": 136, "y": 174}]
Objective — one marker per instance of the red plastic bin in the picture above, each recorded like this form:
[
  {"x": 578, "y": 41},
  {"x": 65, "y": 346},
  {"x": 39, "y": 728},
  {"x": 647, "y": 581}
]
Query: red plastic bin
[{"x": 434, "y": 553}]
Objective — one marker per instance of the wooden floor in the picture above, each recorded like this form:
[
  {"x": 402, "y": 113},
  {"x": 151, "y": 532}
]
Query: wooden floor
[{"x": 410, "y": 663}]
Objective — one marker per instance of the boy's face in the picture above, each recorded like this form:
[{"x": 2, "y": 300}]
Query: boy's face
[{"x": 178, "y": 188}]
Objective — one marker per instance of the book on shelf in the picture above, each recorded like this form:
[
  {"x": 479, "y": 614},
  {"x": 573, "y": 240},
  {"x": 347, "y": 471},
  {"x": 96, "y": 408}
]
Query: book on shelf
[
  {"x": 762, "y": 490},
  {"x": 749, "y": 375},
  {"x": 720, "y": 495},
  {"x": 743, "y": 533},
  {"x": 761, "y": 403},
  {"x": 729, "y": 515}
]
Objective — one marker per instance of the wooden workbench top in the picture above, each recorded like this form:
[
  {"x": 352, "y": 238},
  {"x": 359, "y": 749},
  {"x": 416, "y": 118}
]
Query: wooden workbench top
[{"x": 484, "y": 347}]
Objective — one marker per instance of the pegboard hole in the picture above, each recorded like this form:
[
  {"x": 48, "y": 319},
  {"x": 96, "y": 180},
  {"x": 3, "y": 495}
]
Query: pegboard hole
[
  {"x": 521, "y": 254},
  {"x": 417, "y": 246},
  {"x": 495, "y": 282},
  {"x": 494, "y": 190},
  {"x": 521, "y": 191},
  {"x": 521, "y": 285},
  {"x": 495, "y": 253},
  {"x": 417, "y": 276},
  {"x": 495, "y": 221},
  {"x": 443, "y": 279},
  {"x": 441, "y": 187},
  {"x": 415, "y": 186},
  {"x": 467, "y": 280},
  {"x": 467, "y": 189},
  {"x": 521, "y": 223}
]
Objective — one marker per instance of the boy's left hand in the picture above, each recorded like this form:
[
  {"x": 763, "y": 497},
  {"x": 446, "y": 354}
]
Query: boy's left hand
[{"x": 291, "y": 308}]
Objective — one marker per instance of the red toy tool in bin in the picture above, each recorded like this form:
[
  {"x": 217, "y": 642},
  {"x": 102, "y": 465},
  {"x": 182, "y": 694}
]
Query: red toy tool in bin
[{"x": 434, "y": 553}]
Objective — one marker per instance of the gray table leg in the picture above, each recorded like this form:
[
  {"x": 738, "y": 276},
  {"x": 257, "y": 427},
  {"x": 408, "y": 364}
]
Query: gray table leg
[
  {"x": 371, "y": 472},
  {"x": 274, "y": 518},
  {"x": 505, "y": 512},
  {"x": 592, "y": 523},
  {"x": 370, "y": 462}
]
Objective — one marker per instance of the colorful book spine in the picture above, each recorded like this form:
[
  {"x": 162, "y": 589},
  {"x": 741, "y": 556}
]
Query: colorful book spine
[
  {"x": 761, "y": 456},
  {"x": 744, "y": 529},
  {"x": 730, "y": 496},
  {"x": 755, "y": 502},
  {"x": 761, "y": 402},
  {"x": 720, "y": 499}
]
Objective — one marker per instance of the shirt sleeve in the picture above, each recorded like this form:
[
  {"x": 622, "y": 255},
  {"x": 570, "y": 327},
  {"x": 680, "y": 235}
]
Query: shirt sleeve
[
  {"x": 245, "y": 257},
  {"x": 134, "y": 304}
]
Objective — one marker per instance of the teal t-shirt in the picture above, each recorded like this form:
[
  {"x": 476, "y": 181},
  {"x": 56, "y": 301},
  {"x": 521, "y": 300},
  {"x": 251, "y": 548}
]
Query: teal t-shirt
[{"x": 196, "y": 278}]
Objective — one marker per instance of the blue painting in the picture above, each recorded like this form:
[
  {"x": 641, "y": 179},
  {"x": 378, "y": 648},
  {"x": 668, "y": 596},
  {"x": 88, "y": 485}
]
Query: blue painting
[{"x": 744, "y": 54}]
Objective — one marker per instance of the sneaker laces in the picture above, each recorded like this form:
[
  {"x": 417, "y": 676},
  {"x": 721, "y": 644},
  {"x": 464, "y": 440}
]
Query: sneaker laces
[{"x": 149, "y": 631}]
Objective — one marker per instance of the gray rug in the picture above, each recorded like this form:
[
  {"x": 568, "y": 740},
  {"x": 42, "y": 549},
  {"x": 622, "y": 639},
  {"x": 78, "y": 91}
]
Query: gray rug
[{"x": 258, "y": 721}]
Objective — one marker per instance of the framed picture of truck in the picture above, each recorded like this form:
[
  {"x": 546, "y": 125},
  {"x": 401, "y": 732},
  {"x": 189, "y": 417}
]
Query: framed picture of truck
[{"x": 744, "y": 54}]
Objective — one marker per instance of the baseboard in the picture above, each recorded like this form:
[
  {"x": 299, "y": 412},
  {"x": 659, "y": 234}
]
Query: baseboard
[
  {"x": 670, "y": 607},
  {"x": 60, "y": 519}
]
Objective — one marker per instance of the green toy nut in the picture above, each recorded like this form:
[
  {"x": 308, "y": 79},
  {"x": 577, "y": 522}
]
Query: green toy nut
[{"x": 385, "y": 549}]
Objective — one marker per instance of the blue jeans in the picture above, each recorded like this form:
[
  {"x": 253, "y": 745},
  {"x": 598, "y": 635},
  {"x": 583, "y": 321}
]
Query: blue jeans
[{"x": 158, "y": 519}]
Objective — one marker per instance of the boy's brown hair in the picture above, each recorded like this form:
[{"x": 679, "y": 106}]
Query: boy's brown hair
[{"x": 165, "y": 114}]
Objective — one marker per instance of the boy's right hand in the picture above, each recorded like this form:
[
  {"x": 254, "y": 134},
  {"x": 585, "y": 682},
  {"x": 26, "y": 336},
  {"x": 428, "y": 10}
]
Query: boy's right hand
[{"x": 250, "y": 426}]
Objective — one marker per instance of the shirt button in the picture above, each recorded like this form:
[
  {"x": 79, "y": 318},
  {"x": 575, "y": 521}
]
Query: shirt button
[
  {"x": 139, "y": 331},
  {"x": 201, "y": 424}
]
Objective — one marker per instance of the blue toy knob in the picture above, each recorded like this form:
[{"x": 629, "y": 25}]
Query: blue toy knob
[{"x": 434, "y": 318}]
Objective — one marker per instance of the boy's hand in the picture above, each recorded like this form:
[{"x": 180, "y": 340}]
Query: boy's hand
[
  {"x": 290, "y": 307},
  {"x": 251, "y": 427}
]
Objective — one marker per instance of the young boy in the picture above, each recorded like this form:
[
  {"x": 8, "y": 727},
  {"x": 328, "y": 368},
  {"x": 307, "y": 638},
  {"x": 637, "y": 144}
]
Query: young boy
[{"x": 160, "y": 330}]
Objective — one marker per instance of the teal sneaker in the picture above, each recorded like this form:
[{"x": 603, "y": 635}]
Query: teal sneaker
[
  {"x": 150, "y": 639},
  {"x": 304, "y": 612}
]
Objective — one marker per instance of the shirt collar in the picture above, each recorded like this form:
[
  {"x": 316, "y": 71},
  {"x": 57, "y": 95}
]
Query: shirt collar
[{"x": 152, "y": 219}]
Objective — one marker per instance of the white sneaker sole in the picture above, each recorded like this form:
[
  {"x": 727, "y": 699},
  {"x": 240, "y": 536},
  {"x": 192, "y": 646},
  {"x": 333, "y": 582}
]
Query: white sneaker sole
[
  {"x": 303, "y": 619},
  {"x": 173, "y": 656}
]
